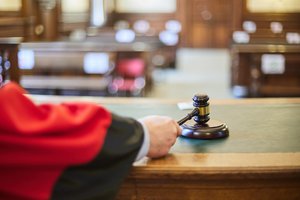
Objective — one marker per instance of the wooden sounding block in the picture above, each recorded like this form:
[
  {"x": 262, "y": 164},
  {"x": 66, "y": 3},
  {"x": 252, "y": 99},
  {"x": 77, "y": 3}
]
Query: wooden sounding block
[{"x": 203, "y": 127}]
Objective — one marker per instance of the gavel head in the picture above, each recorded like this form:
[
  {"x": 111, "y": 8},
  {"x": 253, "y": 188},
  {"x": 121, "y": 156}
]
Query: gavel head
[{"x": 200, "y": 102}]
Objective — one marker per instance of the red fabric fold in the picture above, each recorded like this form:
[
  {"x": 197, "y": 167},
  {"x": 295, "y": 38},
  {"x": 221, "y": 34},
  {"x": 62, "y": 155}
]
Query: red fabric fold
[{"x": 37, "y": 142}]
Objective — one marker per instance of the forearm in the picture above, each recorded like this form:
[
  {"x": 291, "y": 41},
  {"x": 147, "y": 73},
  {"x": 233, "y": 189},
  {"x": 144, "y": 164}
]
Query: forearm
[{"x": 102, "y": 177}]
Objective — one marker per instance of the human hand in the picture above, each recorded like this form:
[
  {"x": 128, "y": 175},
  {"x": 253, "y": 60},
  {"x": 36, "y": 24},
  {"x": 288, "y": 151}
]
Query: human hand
[{"x": 163, "y": 132}]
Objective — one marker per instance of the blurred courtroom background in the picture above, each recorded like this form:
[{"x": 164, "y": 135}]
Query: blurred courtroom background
[{"x": 152, "y": 48}]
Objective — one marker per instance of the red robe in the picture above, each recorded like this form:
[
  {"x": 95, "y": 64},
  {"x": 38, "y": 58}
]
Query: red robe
[{"x": 38, "y": 142}]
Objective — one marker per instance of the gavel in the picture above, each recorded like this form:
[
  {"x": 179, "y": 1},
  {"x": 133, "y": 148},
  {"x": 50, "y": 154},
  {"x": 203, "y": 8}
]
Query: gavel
[
  {"x": 203, "y": 128},
  {"x": 200, "y": 112}
]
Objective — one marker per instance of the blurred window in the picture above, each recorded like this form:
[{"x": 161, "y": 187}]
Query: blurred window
[
  {"x": 146, "y": 6},
  {"x": 10, "y": 5},
  {"x": 68, "y": 6},
  {"x": 280, "y": 6}
]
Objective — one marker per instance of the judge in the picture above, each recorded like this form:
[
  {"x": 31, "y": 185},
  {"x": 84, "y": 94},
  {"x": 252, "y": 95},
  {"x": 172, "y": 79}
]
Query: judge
[{"x": 72, "y": 150}]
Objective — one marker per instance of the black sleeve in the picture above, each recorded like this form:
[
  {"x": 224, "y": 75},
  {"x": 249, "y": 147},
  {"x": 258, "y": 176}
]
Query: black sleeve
[{"x": 101, "y": 178}]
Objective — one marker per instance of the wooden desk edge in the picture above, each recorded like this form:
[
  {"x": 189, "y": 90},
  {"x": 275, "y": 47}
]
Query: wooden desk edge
[{"x": 193, "y": 165}]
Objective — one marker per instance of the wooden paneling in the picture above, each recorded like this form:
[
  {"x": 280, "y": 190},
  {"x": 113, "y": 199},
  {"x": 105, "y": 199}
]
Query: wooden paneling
[
  {"x": 208, "y": 23},
  {"x": 247, "y": 74},
  {"x": 11, "y": 23},
  {"x": 12, "y": 27},
  {"x": 263, "y": 33},
  {"x": 205, "y": 23}
]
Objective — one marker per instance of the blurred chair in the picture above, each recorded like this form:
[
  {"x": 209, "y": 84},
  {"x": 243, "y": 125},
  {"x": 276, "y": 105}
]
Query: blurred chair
[{"x": 128, "y": 78}]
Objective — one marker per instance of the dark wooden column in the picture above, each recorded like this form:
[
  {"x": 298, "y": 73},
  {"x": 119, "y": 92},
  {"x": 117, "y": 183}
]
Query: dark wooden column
[
  {"x": 29, "y": 13},
  {"x": 182, "y": 15},
  {"x": 49, "y": 20}
]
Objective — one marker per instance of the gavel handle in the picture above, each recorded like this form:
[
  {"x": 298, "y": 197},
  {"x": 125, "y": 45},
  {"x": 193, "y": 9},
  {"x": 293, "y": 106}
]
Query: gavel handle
[
  {"x": 188, "y": 116},
  {"x": 183, "y": 120}
]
